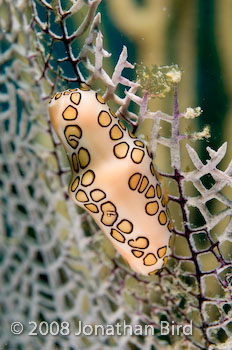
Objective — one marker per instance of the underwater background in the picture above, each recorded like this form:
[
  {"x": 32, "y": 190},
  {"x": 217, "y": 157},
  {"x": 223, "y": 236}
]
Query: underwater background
[{"x": 55, "y": 263}]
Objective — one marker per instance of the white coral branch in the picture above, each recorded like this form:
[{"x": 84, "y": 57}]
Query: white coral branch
[
  {"x": 90, "y": 38},
  {"x": 88, "y": 18},
  {"x": 77, "y": 5},
  {"x": 97, "y": 71},
  {"x": 222, "y": 179},
  {"x": 216, "y": 157}
]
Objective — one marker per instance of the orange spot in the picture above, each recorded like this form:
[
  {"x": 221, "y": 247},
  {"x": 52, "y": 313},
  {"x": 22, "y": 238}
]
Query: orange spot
[
  {"x": 121, "y": 150},
  {"x": 125, "y": 226},
  {"x": 140, "y": 242},
  {"x": 134, "y": 181},
  {"x": 137, "y": 155},
  {"x": 150, "y": 192},
  {"x": 75, "y": 97},
  {"x": 162, "y": 218},
  {"x": 75, "y": 184},
  {"x": 161, "y": 251},
  {"x": 92, "y": 207},
  {"x": 152, "y": 208},
  {"x": 149, "y": 259},
  {"x": 99, "y": 98},
  {"x": 137, "y": 253},
  {"x": 104, "y": 119},
  {"x": 70, "y": 113},
  {"x": 117, "y": 235}
]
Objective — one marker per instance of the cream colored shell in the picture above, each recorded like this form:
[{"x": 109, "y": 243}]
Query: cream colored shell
[{"x": 113, "y": 178}]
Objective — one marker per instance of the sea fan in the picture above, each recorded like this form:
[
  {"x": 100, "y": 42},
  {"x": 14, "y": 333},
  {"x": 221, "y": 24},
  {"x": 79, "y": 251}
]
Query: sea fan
[{"x": 55, "y": 264}]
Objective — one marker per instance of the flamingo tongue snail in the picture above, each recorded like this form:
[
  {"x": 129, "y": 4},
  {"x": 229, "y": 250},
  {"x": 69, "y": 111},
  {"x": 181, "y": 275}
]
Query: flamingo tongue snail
[{"x": 113, "y": 178}]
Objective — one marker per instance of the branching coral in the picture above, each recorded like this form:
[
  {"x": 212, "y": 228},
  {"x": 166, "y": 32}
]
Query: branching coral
[{"x": 55, "y": 264}]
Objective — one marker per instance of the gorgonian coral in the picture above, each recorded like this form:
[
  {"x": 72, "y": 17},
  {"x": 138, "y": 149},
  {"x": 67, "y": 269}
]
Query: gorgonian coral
[{"x": 55, "y": 263}]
